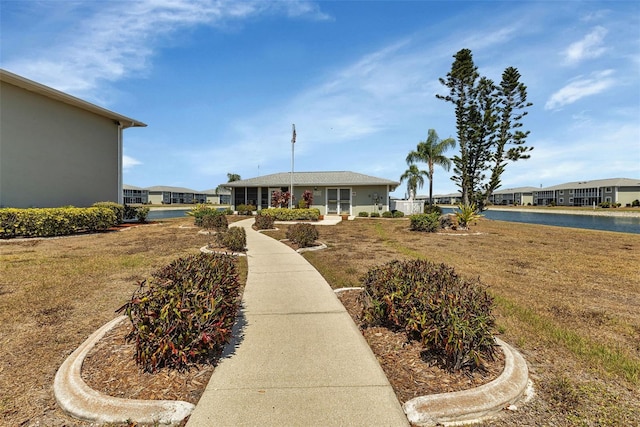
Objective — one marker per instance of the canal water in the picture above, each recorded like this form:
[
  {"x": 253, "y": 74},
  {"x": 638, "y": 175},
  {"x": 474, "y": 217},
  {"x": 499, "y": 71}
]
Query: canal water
[{"x": 622, "y": 224}]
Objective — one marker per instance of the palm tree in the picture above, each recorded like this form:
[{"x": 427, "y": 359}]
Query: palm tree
[
  {"x": 432, "y": 152},
  {"x": 233, "y": 177},
  {"x": 415, "y": 180}
]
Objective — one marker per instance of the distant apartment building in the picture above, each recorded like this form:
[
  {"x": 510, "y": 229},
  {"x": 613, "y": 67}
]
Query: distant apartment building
[
  {"x": 589, "y": 193},
  {"x": 134, "y": 195},
  {"x": 164, "y": 195},
  {"x": 513, "y": 196}
]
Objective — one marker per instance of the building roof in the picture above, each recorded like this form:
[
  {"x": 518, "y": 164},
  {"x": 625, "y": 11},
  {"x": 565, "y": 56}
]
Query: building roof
[
  {"x": 596, "y": 183},
  {"x": 158, "y": 188},
  {"x": 516, "y": 190},
  {"x": 49, "y": 92},
  {"x": 132, "y": 187},
  {"x": 283, "y": 179}
]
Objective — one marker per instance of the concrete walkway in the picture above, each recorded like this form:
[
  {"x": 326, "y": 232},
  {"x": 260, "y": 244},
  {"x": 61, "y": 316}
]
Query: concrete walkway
[{"x": 299, "y": 359}]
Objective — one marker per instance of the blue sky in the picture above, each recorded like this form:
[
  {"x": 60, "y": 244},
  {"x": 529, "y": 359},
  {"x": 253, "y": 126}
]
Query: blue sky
[{"x": 220, "y": 83}]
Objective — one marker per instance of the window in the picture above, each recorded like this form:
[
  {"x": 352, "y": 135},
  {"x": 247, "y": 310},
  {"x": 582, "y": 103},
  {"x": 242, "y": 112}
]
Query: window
[
  {"x": 607, "y": 190},
  {"x": 561, "y": 192},
  {"x": 561, "y": 200}
]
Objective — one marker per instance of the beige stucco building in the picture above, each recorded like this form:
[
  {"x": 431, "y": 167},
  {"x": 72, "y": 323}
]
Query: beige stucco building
[{"x": 55, "y": 149}]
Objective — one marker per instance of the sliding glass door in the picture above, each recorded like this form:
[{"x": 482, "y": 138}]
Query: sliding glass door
[{"x": 339, "y": 201}]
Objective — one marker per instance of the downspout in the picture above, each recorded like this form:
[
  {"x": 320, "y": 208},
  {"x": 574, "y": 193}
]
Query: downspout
[{"x": 120, "y": 153}]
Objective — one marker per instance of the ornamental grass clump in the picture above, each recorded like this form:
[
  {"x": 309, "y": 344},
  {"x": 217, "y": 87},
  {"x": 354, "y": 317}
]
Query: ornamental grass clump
[
  {"x": 184, "y": 314},
  {"x": 303, "y": 235},
  {"x": 450, "y": 316}
]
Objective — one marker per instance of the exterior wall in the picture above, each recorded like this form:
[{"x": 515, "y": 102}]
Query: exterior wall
[
  {"x": 362, "y": 197},
  {"x": 53, "y": 154},
  {"x": 159, "y": 197},
  {"x": 626, "y": 195}
]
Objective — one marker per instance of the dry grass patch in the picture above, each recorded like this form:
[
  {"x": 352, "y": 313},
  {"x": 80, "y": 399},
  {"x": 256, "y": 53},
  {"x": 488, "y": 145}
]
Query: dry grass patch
[
  {"x": 567, "y": 298},
  {"x": 55, "y": 292}
]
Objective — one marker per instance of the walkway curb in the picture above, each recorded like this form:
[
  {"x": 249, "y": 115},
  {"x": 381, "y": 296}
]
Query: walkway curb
[
  {"x": 80, "y": 401},
  {"x": 475, "y": 404}
]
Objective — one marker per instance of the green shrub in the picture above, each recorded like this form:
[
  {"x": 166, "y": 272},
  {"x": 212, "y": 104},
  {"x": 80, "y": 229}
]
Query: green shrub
[
  {"x": 363, "y": 214},
  {"x": 117, "y": 209},
  {"x": 264, "y": 222},
  {"x": 142, "y": 212},
  {"x": 47, "y": 222},
  {"x": 284, "y": 214},
  {"x": 303, "y": 235},
  {"x": 245, "y": 209},
  {"x": 138, "y": 213},
  {"x": 202, "y": 211},
  {"x": 428, "y": 209},
  {"x": 234, "y": 239},
  {"x": 425, "y": 222},
  {"x": 387, "y": 214},
  {"x": 450, "y": 316},
  {"x": 374, "y": 215},
  {"x": 635, "y": 203},
  {"x": 398, "y": 214},
  {"x": 184, "y": 313},
  {"x": 215, "y": 221}
]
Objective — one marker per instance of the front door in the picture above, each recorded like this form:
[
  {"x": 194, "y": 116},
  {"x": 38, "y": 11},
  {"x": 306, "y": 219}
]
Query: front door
[{"x": 339, "y": 201}]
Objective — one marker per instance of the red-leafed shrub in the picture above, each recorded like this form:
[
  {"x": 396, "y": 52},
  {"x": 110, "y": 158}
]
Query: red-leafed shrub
[
  {"x": 451, "y": 317},
  {"x": 185, "y": 312}
]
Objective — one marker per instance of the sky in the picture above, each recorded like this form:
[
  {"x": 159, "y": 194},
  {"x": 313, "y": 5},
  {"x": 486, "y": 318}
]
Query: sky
[{"x": 220, "y": 83}]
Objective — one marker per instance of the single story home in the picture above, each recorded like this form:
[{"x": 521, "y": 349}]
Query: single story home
[
  {"x": 334, "y": 193},
  {"x": 56, "y": 149}
]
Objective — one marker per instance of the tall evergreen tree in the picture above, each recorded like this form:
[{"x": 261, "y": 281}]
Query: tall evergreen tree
[
  {"x": 509, "y": 146},
  {"x": 432, "y": 152},
  {"x": 488, "y": 121}
]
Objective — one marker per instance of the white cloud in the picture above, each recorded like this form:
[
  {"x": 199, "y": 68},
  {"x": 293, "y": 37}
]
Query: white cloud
[
  {"x": 580, "y": 88},
  {"x": 128, "y": 162},
  {"x": 113, "y": 42},
  {"x": 590, "y": 47}
]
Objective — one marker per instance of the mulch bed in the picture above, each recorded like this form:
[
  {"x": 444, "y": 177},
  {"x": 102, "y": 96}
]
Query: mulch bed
[
  {"x": 409, "y": 369},
  {"x": 111, "y": 369}
]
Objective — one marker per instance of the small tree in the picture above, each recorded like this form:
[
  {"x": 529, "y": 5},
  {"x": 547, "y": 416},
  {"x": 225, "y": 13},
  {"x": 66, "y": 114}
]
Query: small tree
[
  {"x": 432, "y": 152},
  {"x": 414, "y": 178}
]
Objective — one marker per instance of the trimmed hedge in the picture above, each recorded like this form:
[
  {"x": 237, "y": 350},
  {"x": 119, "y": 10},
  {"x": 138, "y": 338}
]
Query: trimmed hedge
[
  {"x": 450, "y": 316},
  {"x": 47, "y": 222},
  {"x": 184, "y": 314},
  {"x": 284, "y": 214},
  {"x": 118, "y": 209}
]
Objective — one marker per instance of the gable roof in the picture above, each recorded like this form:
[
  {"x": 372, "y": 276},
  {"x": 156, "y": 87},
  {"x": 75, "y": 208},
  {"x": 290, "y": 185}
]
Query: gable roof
[
  {"x": 596, "y": 183},
  {"x": 283, "y": 179},
  {"x": 30, "y": 85}
]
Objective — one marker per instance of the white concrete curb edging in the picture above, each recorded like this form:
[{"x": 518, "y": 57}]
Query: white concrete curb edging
[
  {"x": 77, "y": 399},
  {"x": 474, "y": 404}
]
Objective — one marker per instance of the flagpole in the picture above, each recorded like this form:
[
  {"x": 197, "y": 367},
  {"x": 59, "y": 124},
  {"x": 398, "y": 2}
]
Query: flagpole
[{"x": 293, "y": 143}]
